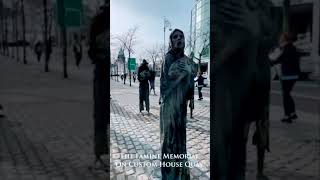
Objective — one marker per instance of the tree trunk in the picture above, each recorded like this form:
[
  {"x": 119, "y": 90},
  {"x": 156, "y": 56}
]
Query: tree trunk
[
  {"x": 129, "y": 70},
  {"x": 124, "y": 70},
  {"x": 23, "y": 32},
  {"x": 45, "y": 37},
  {"x": 12, "y": 31},
  {"x": 1, "y": 27},
  {"x": 316, "y": 39},
  {"x": 17, "y": 30},
  {"x": 6, "y": 33},
  {"x": 117, "y": 73},
  {"x": 64, "y": 40},
  {"x": 199, "y": 67}
]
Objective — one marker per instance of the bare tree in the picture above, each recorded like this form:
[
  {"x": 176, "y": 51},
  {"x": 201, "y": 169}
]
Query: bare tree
[
  {"x": 154, "y": 54},
  {"x": 202, "y": 48},
  {"x": 190, "y": 43},
  {"x": 128, "y": 40},
  {"x": 162, "y": 52}
]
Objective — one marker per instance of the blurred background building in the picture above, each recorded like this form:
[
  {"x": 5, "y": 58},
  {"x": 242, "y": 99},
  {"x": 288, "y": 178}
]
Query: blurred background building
[{"x": 199, "y": 40}]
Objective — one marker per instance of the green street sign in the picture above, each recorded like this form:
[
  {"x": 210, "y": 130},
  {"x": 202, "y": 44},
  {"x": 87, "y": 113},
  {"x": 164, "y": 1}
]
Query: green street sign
[
  {"x": 72, "y": 11},
  {"x": 132, "y": 64}
]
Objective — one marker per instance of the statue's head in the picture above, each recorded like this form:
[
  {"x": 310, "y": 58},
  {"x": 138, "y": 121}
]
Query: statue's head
[{"x": 177, "y": 41}]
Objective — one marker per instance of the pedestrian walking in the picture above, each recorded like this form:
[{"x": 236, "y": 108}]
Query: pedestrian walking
[
  {"x": 77, "y": 49},
  {"x": 175, "y": 86},
  {"x": 152, "y": 81},
  {"x": 1, "y": 112},
  {"x": 99, "y": 53},
  {"x": 143, "y": 77},
  {"x": 38, "y": 50},
  {"x": 290, "y": 70},
  {"x": 200, "y": 80},
  {"x": 134, "y": 77},
  {"x": 124, "y": 77}
]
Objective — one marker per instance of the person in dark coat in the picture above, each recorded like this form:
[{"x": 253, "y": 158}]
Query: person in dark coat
[
  {"x": 99, "y": 53},
  {"x": 143, "y": 77},
  {"x": 38, "y": 50},
  {"x": 1, "y": 112},
  {"x": 77, "y": 49},
  {"x": 200, "y": 81},
  {"x": 152, "y": 81},
  {"x": 134, "y": 77},
  {"x": 290, "y": 70}
]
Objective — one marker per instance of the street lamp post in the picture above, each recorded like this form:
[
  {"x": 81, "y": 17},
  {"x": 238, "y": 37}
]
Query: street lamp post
[
  {"x": 315, "y": 39},
  {"x": 166, "y": 24}
]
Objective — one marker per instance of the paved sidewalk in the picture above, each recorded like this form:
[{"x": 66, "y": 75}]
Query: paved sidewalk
[
  {"x": 133, "y": 133},
  {"x": 294, "y": 147},
  {"x": 48, "y": 131}
]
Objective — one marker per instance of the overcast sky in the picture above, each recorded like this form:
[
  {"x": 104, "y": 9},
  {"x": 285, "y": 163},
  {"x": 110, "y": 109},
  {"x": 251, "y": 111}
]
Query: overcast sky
[{"x": 148, "y": 16}]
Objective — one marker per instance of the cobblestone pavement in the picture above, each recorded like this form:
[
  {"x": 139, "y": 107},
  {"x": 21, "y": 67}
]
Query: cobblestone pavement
[
  {"x": 133, "y": 133},
  {"x": 47, "y": 133},
  {"x": 295, "y": 148}
]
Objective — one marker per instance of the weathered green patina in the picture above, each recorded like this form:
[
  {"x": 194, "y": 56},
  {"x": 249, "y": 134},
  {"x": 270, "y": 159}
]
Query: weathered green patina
[{"x": 175, "y": 87}]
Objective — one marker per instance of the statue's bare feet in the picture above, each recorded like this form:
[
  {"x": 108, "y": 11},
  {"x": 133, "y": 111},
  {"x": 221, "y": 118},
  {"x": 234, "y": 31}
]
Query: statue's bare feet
[{"x": 99, "y": 165}]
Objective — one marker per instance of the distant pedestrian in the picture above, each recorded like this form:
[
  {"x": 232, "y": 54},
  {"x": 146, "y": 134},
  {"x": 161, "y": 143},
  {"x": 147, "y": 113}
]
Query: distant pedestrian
[
  {"x": 152, "y": 81},
  {"x": 1, "y": 112},
  {"x": 38, "y": 50},
  {"x": 143, "y": 77},
  {"x": 77, "y": 49},
  {"x": 124, "y": 78},
  {"x": 134, "y": 77},
  {"x": 290, "y": 70},
  {"x": 200, "y": 80},
  {"x": 99, "y": 53}
]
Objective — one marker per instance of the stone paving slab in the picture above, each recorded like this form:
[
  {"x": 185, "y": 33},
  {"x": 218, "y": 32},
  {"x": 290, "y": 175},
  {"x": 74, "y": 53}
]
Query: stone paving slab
[
  {"x": 295, "y": 147},
  {"x": 48, "y": 132},
  {"x": 133, "y": 133}
]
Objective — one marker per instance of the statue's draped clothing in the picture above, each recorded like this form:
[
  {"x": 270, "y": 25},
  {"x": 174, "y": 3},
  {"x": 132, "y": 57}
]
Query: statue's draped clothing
[
  {"x": 175, "y": 90},
  {"x": 242, "y": 84}
]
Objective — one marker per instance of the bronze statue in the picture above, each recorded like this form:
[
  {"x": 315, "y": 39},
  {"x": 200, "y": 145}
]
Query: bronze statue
[
  {"x": 99, "y": 53},
  {"x": 175, "y": 88},
  {"x": 242, "y": 77}
]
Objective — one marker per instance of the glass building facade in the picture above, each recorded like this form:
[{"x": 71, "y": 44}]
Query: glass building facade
[{"x": 200, "y": 33}]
